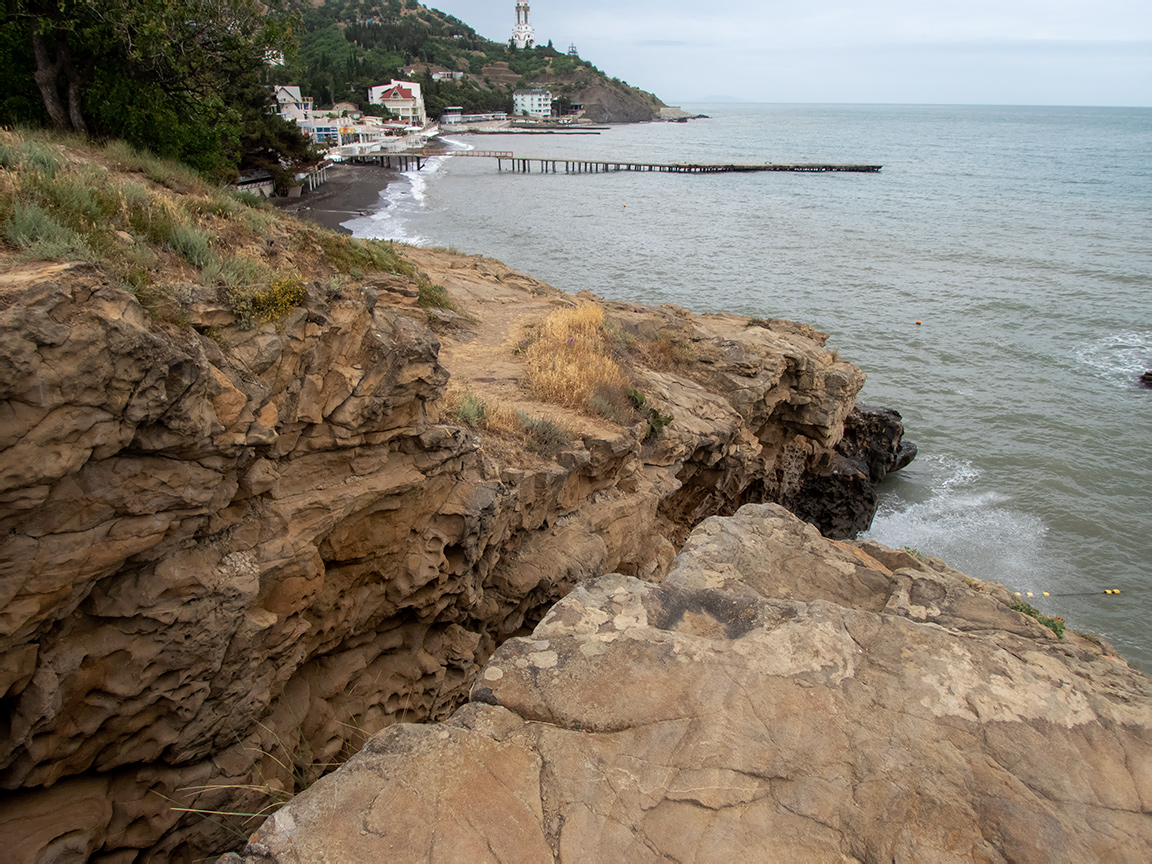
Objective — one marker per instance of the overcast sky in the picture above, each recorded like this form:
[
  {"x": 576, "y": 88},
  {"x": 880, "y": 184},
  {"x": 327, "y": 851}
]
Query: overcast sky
[{"x": 1006, "y": 52}]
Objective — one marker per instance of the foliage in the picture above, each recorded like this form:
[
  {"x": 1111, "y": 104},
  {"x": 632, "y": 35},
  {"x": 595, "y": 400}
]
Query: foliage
[
  {"x": 544, "y": 437},
  {"x": 655, "y": 418},
  {"x": 347, "y": 254},
  {"x": 41, "y": 236},
  {"x": 182, "y": 77},
  {"x": 471, "y": 410},
  {"x": 253, "y": 306},
  {"x": 1057, "y": 625}
]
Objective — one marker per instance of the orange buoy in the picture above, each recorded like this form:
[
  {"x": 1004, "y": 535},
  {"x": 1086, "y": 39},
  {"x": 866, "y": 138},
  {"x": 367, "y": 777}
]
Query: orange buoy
[{"x": 917, "y": 323}]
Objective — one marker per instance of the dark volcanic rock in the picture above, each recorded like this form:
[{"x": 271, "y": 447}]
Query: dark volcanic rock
[
  {"x": 1146, "y": 379},
  {"x": 842, "y": 501}
]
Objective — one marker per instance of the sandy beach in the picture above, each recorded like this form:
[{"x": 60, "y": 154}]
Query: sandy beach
[{"x": 351, "y": 191}]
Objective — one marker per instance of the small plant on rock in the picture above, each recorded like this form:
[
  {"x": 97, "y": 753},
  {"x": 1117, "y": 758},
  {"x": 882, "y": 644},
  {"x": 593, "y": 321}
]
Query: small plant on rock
[{"x": 1057, "y": 625}]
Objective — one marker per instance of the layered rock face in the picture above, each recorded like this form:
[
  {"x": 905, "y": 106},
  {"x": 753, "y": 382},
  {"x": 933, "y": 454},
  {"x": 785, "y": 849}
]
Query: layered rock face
[
  {"x": 779, "y": 697},
  {"x": 231, "y": 556}
]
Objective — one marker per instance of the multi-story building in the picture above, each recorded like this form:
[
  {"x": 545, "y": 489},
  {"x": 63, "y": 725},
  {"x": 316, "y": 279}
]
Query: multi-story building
[
  {"x": 534, "y": 103},
  {"x": 403, "y": 99}
]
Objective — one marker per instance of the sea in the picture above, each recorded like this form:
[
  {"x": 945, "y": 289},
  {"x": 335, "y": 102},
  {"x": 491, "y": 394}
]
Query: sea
[{"x": 994, "y": 281}]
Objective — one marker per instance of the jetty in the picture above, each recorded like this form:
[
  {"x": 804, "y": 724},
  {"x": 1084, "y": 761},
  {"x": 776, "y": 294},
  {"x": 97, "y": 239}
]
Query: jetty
[{"x": 558, "y": 164}]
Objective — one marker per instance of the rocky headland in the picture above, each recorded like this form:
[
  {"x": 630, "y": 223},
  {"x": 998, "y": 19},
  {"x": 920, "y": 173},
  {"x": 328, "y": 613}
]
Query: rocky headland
[
  {"x": 272, "y": 498},
  {"x": 233, "y": 554}
]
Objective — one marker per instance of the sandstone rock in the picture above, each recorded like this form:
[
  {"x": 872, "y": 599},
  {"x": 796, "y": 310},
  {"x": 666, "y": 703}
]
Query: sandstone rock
[
  {"x": 226, "y": 561},
  {"x": 779, "y": 697}
]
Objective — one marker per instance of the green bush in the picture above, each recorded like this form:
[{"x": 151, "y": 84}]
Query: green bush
[
  {"x": 273, "y": 303},
  {"x": 41, "y": 236},
  {"x": 655, "y": 418},
  {"x": 191, "y": 244},
  {"x": 471, "y": 411},
  {"x": 347, "y": 255},
  {"x": 431, "y": 296}
]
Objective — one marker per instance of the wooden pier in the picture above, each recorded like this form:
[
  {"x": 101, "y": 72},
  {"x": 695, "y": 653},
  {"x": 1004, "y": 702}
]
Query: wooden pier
[{"x": 553, "y": 164}]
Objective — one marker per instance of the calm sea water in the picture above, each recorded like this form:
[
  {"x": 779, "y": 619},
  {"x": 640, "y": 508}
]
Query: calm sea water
[{"x": 1020, "y": 237}]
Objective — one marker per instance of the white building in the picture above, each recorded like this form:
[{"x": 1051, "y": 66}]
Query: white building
[
  {"x": 291, "y": 105},
  {"x": 534, "y": 103},
  {"x": 403, "y": 99},
  {"x": 524, "y": 36}
]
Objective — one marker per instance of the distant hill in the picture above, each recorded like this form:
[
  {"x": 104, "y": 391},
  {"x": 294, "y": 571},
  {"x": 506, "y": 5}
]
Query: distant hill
[{"x": 346, "y": 46}]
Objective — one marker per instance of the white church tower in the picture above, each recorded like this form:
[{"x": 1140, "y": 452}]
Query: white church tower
[{"x": 523, "y": 36}]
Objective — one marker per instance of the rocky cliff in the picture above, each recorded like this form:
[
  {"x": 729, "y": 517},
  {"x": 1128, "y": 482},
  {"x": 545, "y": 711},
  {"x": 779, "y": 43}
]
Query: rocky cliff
[
  {"x": 231, "y": 556},
  {"x": 778, "y": 697}
]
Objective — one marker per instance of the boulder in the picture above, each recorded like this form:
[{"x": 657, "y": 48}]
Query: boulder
[
  {"x": 1146, "y": 379},
  {"x": 779, "y": 697}
]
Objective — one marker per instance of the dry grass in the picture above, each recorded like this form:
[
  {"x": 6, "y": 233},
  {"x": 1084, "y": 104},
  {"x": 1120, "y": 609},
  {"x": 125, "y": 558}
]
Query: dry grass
[{"x": 570, "y": 360}]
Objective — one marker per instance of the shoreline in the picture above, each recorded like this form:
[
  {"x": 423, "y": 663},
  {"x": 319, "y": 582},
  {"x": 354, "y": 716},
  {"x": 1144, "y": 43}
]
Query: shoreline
[{"x": 350, "y": 192}]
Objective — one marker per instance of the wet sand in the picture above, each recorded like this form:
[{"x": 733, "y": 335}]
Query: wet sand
[{"x": 351, "y": 191}]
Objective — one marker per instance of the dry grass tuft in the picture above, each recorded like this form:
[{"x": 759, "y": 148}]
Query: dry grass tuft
[{"x": 570, "y": 361}]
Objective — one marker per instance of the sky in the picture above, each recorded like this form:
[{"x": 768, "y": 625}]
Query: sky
[{"x": 1010, "y": 52}]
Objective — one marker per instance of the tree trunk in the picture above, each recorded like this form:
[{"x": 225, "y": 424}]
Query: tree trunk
[
  {"x": 74, "y": 86},
  {"x": 46, "y": 74}
]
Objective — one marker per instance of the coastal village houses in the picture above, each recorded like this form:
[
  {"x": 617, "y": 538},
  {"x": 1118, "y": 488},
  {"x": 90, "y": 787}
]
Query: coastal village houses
[
  {"x": 291, "y": 105},
  {"x": 403, "y": 99},
  {"x": 533, "y": 103}
]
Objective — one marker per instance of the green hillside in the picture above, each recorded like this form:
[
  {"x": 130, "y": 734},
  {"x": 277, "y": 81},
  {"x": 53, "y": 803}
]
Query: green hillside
[{"x": 346, "y": 46}]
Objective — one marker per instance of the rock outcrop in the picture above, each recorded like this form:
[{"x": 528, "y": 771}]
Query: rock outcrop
[
  {"x": 231, "y": 556},
  {"x": 779, "y": 697},
  {"x": 841, "y": 500}
]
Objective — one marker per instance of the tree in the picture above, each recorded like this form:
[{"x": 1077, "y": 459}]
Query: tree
[{"x": 180, "y": 77}]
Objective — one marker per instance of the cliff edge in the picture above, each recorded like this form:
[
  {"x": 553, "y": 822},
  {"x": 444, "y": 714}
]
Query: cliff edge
[{"x": 266, "y": 491}]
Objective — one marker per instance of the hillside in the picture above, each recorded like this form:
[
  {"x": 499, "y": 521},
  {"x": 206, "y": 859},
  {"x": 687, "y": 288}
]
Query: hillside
[{"x": 347, "y": 47}]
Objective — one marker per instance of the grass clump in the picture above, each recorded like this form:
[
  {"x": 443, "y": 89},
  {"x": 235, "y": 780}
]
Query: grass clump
[
  {"x": 431, "y": 296},
  {"x": 471, "y": 411},
  {"x": 1057, "y": 625},
  {"x": 41, "y": 236},
  {"x": 569, "y": 360},
  {"x": 544, "y": 437},
  {"x": 191, "y": 244},
  {"x": 253, "y": 306},
  {"x": 349, "y": 255}
]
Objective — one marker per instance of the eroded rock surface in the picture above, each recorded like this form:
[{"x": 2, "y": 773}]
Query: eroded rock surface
[
  {"x": 229, "y": 557},
  {"x": 779, "y": 697}
]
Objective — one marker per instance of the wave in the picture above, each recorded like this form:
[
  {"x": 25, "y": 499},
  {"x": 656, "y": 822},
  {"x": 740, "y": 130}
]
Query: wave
[
  {"x": 1119, "y": 358},
  {"x": 402, "y": 198},
  {"x": 959, "y": 520}
]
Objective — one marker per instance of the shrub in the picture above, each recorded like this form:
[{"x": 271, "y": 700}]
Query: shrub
[
  {"x": 471, "y": 411},
  {"x": 347, "y": 255},
  {"x": 655, "y": 418},
  {"x": 41, "y": 236},
  {"x": 271, "y": 304},
  {"x": 543, "y": 437},
  {"x": 434, "y": 296},
  {"x": 191, "y": 244}
]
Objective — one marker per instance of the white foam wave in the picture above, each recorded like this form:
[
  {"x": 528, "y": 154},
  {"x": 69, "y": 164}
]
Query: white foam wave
[
  {"x": 1118, "y": 358},
  {"x": 974, "y": 529},
  {"x": 403, "y": 197}
]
